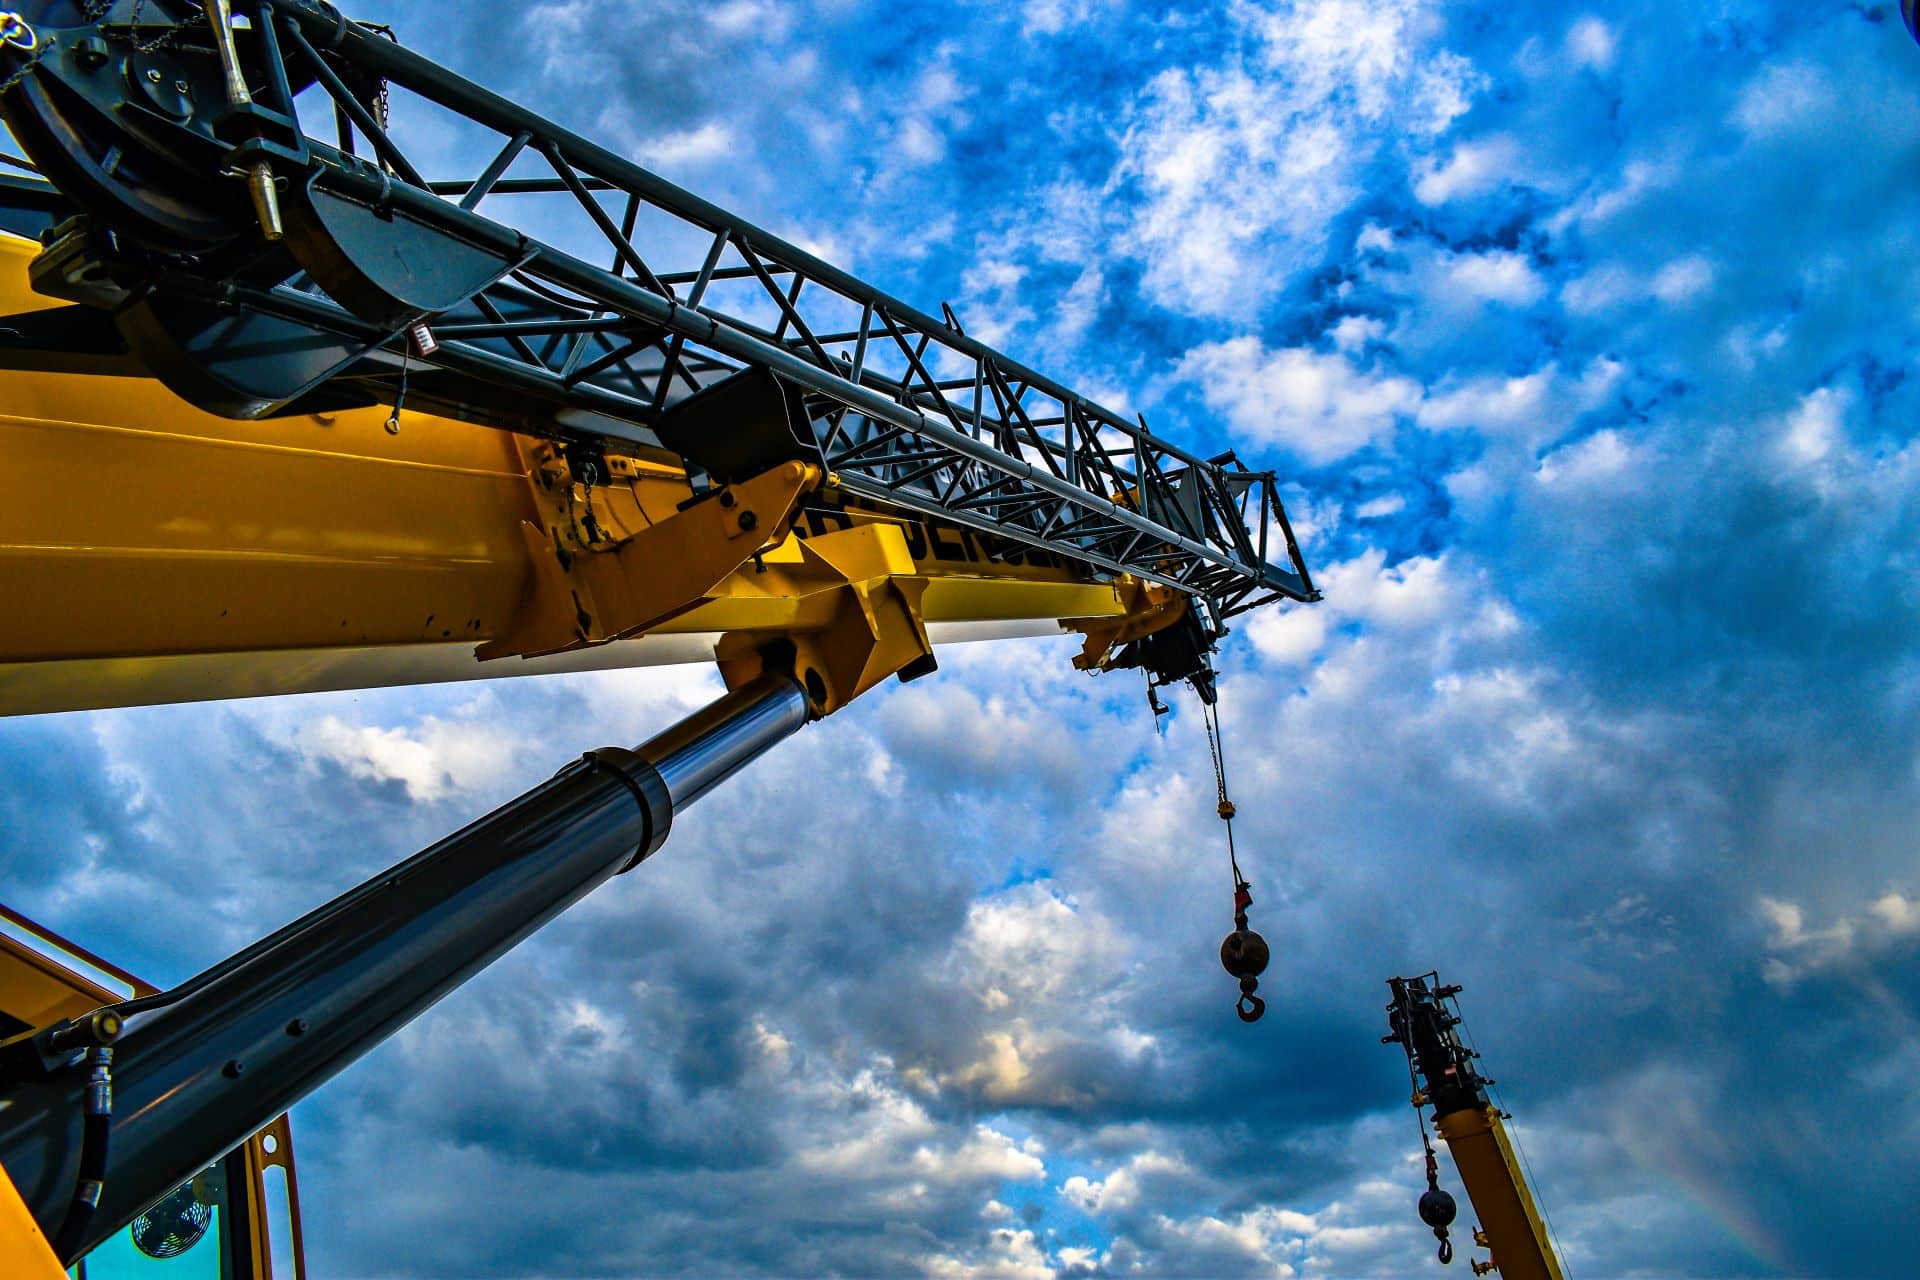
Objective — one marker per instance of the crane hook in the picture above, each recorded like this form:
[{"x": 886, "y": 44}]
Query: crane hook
[
  {"x": 1437, "y": 1208},
  {"x": 1244, "y": 954}
]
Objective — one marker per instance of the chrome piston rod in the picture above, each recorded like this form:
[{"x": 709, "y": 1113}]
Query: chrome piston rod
[{"x": 201, "y": 1068}]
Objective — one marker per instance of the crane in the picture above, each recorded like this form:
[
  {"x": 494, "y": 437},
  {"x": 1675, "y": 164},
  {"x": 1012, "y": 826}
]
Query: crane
[
  {"x": 1445, "y": 1078},
  {"x": 284, "y": 414}
]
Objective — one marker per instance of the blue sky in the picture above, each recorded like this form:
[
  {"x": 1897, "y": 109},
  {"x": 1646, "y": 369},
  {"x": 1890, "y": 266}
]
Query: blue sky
[{"x": 1584, "y": 337}]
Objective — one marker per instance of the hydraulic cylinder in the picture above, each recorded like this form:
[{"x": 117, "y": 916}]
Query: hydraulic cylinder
[{"x": 198, "y": 1069}]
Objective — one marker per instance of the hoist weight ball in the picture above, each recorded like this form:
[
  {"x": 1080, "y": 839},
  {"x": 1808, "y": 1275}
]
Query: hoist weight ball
[
  {"x": 1437, "y": 1209},
  {"x": 1244, "y": 954}
]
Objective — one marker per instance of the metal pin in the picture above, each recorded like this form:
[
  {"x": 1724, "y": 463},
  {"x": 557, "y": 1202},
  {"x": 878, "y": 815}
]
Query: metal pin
[{"x": 260, "y": 183}]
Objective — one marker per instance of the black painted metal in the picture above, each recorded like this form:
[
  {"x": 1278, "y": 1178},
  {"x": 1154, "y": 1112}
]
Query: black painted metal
[
  {"x": 906, "y": 408},
  {"x": 199, "y": 1069},
  {"x": 1419, "y": 1021}
]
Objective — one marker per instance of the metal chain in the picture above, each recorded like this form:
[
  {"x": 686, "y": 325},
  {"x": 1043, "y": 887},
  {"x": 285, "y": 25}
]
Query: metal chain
[
  {"x": 93, "y": 13},
  {"x": 131, "y": 36},
  {"x": 16, "y": 31}
]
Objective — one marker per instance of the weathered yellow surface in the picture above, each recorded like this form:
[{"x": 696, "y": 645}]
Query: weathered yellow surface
[{"x": 1515, "y": 1233}]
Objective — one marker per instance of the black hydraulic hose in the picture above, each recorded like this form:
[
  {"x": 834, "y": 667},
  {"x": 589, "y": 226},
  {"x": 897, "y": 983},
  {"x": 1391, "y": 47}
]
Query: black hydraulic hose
[{"x": 94, "y": 1134}]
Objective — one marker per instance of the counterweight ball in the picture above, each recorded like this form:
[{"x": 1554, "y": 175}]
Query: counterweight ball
[
  {"x": 1437, "y": 1209},
  {"x": 1244, "y": 954}
]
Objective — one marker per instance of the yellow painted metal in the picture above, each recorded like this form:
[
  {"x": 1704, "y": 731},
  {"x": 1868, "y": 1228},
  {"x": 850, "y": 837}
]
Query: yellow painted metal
[
  {"x": 44, "y": 978},
  {"x": 868, "y": 601},
  {"x": 272, "y": 1148},
  {"x": 1512, "y": 1227},
  {"x": 153, "y": 553},
  {"x": 1151, "y": 608},
  {"x": 586, "y": 590},
  {"x": 25, "y": 1252}
]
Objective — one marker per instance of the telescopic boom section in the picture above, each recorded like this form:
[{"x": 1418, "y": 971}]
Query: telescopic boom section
[{"x": 702, "y": 336}]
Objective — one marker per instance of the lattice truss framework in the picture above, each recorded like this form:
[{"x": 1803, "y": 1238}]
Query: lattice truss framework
[{"x": 906, "y": 408}]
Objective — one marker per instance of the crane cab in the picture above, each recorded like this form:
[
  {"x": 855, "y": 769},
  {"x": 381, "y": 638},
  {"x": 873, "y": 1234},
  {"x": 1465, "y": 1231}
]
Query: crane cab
[{"x": 236, "y": 1219}]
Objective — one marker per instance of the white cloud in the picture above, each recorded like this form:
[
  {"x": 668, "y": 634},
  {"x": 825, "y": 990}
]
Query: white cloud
[
  {"x": 1590, "y": 43},
  {"x": 1889, "y": 921},
  {"x": 709, "y": 141},
  {"x": 1288, "y": 636},
  {"x": 432, "y": 759},
  {"x": 1417, "y": 592},
  {"x": 1492, "y": 403},
  {"x": 1683, "y": 279},
  {"x": 1640, "y": 177},
  {"x": 1123, "y": 1189},
  {"x": 1374, "y": 238},
  {"x": 1320, "y": 404},
  {"x": 1474, "y": 169},
  {"x": 1815, "y": 428},
  {"x": 1599, "y": 458},
  {"x": 1010, "y": 1254},
  {"x": 1496, "y": 276},
  {"x": 1031, "y": 943},
  {"x": 1416, "y": 597},
  {"x": 1352, "y": 333},
  {"x": 1248, "y": 162},
  {"x": 1601, "y": 289},
  {"x": 1527, "y": 406},
  {"x": 1613, "y": 285},
  {"x": 1783, "y": 98},
  {"x": 1897, "y": 913},
  {"x": 1049, "y": 17},
  {"x": 986, "y": 1156}
]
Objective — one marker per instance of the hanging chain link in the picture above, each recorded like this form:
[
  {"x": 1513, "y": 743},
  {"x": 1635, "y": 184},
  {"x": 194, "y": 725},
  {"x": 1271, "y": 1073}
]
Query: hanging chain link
[{"x": 17, "y": 32}]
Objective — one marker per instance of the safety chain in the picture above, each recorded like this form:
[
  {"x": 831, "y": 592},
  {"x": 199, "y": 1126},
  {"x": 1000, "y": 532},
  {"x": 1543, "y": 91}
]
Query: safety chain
[{"x": 18, "y": 32}]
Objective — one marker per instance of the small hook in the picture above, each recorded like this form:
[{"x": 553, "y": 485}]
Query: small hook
[
  {"x": 1446, "y": 1251},
  {"x": 1249, "y": 1006}
]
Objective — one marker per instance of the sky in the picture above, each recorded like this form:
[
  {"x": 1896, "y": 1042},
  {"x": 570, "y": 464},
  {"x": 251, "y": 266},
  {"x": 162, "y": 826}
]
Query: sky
[{"x": 1584, "y": 341}]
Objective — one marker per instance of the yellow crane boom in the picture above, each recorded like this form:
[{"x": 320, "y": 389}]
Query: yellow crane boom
[{"x": 1445, "y": 1078}]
